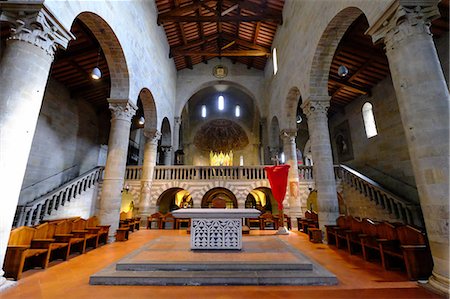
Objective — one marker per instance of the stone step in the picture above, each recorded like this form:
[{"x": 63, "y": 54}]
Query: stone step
[
  {"x": 212, "y": 266},
  {"x": 197, "y": 278}
]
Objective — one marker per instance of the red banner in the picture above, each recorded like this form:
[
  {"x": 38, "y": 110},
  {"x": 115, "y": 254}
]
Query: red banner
[{"x": 278, "y": 176}]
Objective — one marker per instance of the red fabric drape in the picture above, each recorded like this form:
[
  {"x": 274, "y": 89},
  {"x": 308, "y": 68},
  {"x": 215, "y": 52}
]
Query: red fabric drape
[{"x": 278, "y": 176}]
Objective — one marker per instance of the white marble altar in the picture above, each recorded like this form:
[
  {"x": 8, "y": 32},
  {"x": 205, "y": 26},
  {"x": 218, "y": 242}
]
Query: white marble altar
[{"x": 216, "y": 228}]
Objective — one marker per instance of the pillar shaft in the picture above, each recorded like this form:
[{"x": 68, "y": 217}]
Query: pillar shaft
[
  {"x": 423, "y": 99},
  {"x": 111, "y": 197},
  {"x": 176, "y": 137},
  {"x": 166, "y": 154},
  {"x": 290, "y": 153},
  {"x": 151, "y": 146},
  {"x": 316, "y": 111},
  {"x": 24, "y": 70}
]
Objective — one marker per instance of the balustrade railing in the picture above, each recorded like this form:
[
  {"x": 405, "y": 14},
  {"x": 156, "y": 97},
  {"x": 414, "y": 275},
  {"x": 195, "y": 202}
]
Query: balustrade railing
[
  {"x": 256, "y": 172},
  {"x": 407, "y": 212},
  {"x": 33, "y": 212}
]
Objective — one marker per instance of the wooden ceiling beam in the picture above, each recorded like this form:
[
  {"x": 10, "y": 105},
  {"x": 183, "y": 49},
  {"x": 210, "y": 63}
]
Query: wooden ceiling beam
[
  {"x": 181, "y": 10},
  {"x": 349, "y": 86},
  {"x": 229, "y": 53},
  {"x": 219, "y": 19}
]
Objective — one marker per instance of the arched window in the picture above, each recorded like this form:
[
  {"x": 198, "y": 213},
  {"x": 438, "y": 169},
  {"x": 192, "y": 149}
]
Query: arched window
[
  {"x": 369, "y": 120},
  {"x": 203, "y": 111},
  {"x": 275, "y": 61}
]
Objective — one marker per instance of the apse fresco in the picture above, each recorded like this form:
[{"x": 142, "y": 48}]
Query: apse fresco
[{"x": 221, "y": 135}]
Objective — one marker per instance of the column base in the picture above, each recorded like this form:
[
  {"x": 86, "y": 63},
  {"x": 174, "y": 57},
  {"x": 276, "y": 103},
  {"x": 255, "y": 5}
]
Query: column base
[
  {"x": 282, "y": 231},
  {"x": 439, "y": 284},
  {"x": 4, "y": 283}
]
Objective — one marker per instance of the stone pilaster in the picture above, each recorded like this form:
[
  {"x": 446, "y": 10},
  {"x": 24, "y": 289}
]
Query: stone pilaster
[
  {"x": 423, "y": 100},
  {"x": 289, "y": 148},
  {"x": 151, "y": 146},
  {"x": 166, "y": 151},
  {"x": 24, "y": 70},
  {"x": 316, "y": 110},
  {"x": 111, "y": 198},
  {"x": 176, "y": 137}
]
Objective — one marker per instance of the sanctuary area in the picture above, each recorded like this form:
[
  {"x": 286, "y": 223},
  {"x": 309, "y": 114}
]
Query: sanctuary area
[{"x": 147, "y": 130}]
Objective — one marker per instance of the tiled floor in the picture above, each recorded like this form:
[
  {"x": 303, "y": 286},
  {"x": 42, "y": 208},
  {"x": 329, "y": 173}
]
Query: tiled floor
[{"x": 357, "y": 279}]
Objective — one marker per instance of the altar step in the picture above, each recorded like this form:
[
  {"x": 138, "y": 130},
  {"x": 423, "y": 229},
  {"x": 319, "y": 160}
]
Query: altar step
[
  {"x": 169, "y": 261},
  {"x": 208, "y": 277}
]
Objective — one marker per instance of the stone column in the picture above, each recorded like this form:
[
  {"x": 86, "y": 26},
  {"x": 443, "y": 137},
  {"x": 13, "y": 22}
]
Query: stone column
[
  {"x": 274, "y": 154},
  {"x": 423, "y": 100},
  {"x": 316, "y": 110},
  {"x": 290, "y": 153},
  {"x": 151, "y": 146},
  {"x": 166, "y": 151},
  {"x": 176, "y": 137},
  {"x": 111, "y": 197},
  {"x": 24, "y": 71}
]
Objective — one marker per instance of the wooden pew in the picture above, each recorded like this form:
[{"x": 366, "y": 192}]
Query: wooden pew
[
  {"x": 311, "y": 219},
  {"x": 91, "y": 234},
  {"x": 45, "y": 235},
  {"x": 371, "y": 232},
  {"x": 353, "y": 236},
  {"x": 22, "y": 249},
  {"x": 411, "y": 249},
  {"x": 93, "y": 222},
  {"x": 64, "y": 234},
  {"x": 336, "y": 233}
]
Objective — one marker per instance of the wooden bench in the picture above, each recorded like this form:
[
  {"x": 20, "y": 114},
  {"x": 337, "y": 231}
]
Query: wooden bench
[
  {"x": 91, "y": 234},
  {"x": 21, "y": 250},
  {"x": 335, "y": 233}
]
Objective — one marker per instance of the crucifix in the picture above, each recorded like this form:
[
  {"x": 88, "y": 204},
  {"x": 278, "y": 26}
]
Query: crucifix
[{"x": 276, "y": 160}]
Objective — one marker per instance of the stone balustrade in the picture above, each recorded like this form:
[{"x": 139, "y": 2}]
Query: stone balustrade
[
  {"x": 403, "y": 210},
  {"x": 210, "y": 173},
  {"x": 33, "y": 212}
]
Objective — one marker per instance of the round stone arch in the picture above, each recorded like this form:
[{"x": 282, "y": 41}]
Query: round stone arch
[
  {"x": 216, "y": 82},
  {"x": 112, "y": 49},
  {"x": 217, "y": 191},
  {"x": 150, "y": 113},
  {"x": 274, "y": 133},
  {"x": 326, "y": 48},
  {"x": 290, "y": 107},
  {"x": 159, "y": 188},
  {"x": 166, "y": 133}
]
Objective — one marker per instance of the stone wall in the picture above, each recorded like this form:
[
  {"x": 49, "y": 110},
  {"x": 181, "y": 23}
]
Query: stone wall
[{"x": 65, "y": 143}]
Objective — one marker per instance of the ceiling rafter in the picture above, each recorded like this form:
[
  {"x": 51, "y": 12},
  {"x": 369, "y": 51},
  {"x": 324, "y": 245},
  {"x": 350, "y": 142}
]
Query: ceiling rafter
[{"x": 220, "y": 19}]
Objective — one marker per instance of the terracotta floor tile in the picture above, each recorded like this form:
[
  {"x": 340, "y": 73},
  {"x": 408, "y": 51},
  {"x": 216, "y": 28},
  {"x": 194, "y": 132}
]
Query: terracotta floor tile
[{"x": 357, "y": 278}]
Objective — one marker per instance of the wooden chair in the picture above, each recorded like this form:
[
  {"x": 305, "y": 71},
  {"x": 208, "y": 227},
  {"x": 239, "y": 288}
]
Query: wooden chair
[
  {"x": 267, "y": 219},
  {"x": 311, "y": 219},
  {"x": 168, "y": 218},
  {"x": 22, "y": 249},
  {"x": 156, "y": 217}
]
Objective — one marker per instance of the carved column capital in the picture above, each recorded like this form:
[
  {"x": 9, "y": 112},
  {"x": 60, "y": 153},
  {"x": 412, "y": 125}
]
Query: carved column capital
[
  {"x": 316, "y": 107},
  {"x": 121, "y": 109},
  {"x": 177, "y": 121},
  {"x": 34, "y": 24},
  {"x": 288, "y": 134},
  {"x": 152, "y": 135},
  {"x": 166, "y": 148},
  {"x": 403, "y": 20}
]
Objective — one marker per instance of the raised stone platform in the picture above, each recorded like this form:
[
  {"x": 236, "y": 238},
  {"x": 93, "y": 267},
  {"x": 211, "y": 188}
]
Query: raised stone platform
[{"x": 264, "y": 260}]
